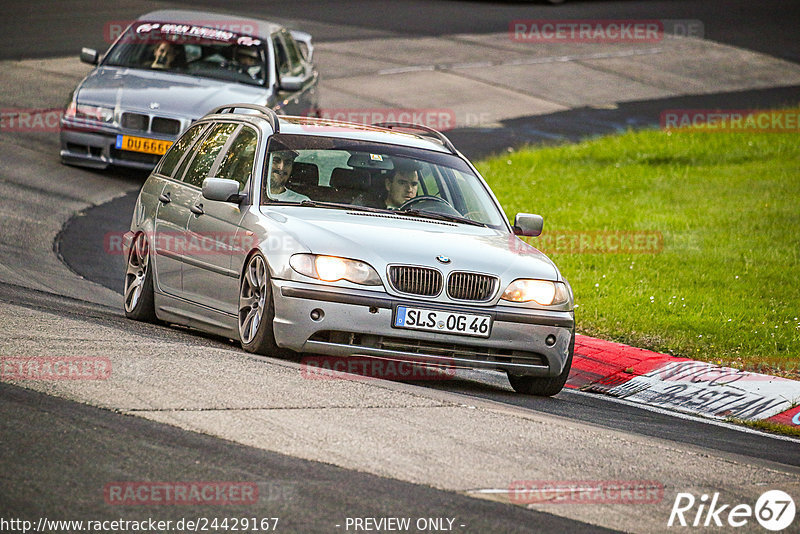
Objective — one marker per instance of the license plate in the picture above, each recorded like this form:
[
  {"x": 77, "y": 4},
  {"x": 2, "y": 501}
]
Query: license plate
[
  {"x": 443, "y": 321},
  {"x": 143, "y": 144}
]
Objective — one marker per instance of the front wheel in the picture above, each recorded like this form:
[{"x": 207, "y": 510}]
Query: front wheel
[
  {"x": 256, "y": 309},
  {"x": 540, "y": 385},
  {"x": 138, "y": 292}
]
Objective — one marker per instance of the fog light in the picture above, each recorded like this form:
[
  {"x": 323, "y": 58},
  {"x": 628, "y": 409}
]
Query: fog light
[
  {"x": 550, "y": 340},
  {"x": 317, "y": 314}
]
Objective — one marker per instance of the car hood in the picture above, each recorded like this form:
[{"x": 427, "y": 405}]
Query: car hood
[
  {"x": 177, "y": 95},
  {"x": 382, "y": 239}
]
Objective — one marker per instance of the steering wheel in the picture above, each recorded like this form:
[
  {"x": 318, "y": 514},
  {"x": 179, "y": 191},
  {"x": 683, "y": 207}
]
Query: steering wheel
[{"x": 408, "y": 203}]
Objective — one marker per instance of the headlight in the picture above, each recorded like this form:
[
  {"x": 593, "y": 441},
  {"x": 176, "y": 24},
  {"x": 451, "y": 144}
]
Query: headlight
[
  {"x": 332, "y": 269},
  {"x": 83, "y": 112},
  {"x": 543, "y": 292}
]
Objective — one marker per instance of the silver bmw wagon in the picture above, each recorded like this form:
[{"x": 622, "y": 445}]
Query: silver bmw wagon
[{"x": 315, "y": 236}]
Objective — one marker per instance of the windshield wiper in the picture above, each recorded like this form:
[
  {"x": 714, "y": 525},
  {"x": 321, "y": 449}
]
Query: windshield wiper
[
  {"x": 338, "y": 205},
  {"x": 441, "y": 217}
]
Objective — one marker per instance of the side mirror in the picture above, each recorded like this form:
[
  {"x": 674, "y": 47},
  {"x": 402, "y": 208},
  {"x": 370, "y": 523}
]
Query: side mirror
[
  {"x": 89, "y": 55},
  {"x": 291, "y": 83},
  {"x": 221, "y": 190},
  {"x": 528, "y": 224}
]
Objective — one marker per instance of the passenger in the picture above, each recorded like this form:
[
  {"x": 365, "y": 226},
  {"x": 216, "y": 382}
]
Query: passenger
[
  {"x": 402, "y": 184},
  {"x": 248, "y": 60},
  {"x": 282, "y": 162}
]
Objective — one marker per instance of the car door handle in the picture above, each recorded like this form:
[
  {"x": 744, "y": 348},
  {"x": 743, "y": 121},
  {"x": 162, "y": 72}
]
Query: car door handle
[
  {"x": 164, "y": 198},
  {"x": 197, "y": 209}
]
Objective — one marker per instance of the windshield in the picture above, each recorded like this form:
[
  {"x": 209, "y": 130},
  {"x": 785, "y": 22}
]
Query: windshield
[
  {"x": 193, "y": 50},
  {"x": 359, "y": 175}
]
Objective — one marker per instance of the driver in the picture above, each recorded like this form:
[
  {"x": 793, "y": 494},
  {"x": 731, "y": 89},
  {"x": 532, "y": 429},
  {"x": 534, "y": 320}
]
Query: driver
[
  {"x": 165, "y": 56},
  {"x": 402, "y": 185},
  {"x": 248, "y": 60},
  {"x": 282, "y": 163}
]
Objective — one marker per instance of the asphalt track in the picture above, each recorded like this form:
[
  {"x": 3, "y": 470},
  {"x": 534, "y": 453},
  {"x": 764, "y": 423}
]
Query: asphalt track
[
  {"x": 767, "y": 26},
  {"x": 57, "y": 467},
  {"x": 53, "y": 448}
]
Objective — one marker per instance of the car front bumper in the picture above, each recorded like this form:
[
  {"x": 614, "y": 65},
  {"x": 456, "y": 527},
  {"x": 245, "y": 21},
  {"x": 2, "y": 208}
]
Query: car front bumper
[
  {"x": 97, "y": 149},
  {"x": 359, "y": 322}
]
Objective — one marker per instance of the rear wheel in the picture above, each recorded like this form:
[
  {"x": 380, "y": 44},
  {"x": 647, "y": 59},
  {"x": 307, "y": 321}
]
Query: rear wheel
[
  {"x": 540, "y": 385},
  {"x": 256, "y": 309},
  {"x": 139, "y": 304}
]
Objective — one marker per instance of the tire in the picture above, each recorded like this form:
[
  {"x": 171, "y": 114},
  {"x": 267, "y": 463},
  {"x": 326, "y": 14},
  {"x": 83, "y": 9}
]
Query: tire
[
  {"x": 257, "y": 309},
  {"x": 540, "y": 385},
  {"x": 138, "y": 291}
]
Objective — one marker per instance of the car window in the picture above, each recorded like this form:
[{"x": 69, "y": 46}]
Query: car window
[
  {"x": 193, "y": 50},
  {"x": 282, "y": 63},
  {"x": 178, "y": 149},
  {"x": 205, "y": 155},
  {"x": 428, "y": 181},
  {"x": 360, "y": 174},
  {"x": 237, "y": 163},
  {"x": 294, "y": 52}
]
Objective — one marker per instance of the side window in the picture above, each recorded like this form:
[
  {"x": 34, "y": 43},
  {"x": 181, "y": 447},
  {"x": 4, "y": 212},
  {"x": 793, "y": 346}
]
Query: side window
[
  {"x": 204, "y": 156},
  {"x": 429, "y": 184},
  {"x": 281, "y": 57},
  {"x": 177, "y": 150},
  {"x": 294, "y": 52},
  {"x": 237, "y": 163}
]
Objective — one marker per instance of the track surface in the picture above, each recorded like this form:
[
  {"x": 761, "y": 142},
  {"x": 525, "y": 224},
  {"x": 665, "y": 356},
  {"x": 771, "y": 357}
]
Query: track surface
[{"x": 768, "y": 26}]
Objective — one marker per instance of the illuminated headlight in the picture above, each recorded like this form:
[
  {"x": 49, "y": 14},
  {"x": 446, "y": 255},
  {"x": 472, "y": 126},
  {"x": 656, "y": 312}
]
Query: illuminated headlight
[
  {"x": 82, "y": 112},
  {"x": 332, "y": 269},
  {"x": 543, "y": 292}
]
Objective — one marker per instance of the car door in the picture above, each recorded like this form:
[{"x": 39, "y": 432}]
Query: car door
[
  {"x": 290, "y": 64},
  {"x": 211, "y": 278},
  {"x": 185, "y": 193},
  {"x": 172, "y": 212}
]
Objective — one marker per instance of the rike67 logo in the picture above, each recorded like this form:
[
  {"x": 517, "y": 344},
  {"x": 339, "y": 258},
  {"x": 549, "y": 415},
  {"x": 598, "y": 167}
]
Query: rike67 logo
[{"x": 774, "y": 510}]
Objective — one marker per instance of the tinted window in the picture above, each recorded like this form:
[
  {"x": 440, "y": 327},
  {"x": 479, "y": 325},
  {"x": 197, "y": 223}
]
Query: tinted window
[
  {"x": 172, "y": 157},
  {"x": 207, "y": 153},
  {"x": 237, "y": 163},
  {"x": 191, "y": 49},
  {"x": 294, "y": 52},
  {"x": 281, "y": 57}
]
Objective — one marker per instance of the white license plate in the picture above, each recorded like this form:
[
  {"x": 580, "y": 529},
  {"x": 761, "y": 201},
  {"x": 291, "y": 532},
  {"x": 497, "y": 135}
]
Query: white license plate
[{"x": 443, "y": 321}]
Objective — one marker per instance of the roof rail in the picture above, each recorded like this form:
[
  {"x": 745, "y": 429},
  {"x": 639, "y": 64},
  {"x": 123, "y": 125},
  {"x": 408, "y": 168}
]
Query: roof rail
[
  {"x": 410, "y": 126},
  {"x": 269, "y": 113}
]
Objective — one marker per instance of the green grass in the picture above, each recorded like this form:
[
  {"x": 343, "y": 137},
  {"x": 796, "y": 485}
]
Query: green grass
[
  {"x": 768, "y": 426},
  {"x": 725, "y": 287}
]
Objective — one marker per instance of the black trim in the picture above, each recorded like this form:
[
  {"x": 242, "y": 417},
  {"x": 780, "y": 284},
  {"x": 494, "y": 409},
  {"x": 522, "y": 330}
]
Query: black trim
[{"x": 332, "y": 296}]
